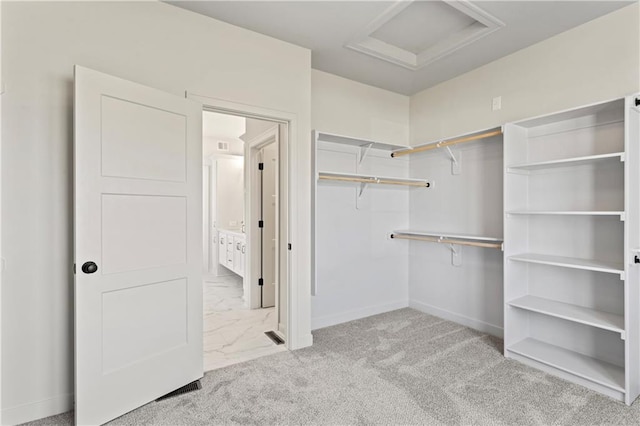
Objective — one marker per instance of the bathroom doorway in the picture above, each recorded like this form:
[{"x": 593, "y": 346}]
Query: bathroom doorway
[{"x": 240, "y": 262}]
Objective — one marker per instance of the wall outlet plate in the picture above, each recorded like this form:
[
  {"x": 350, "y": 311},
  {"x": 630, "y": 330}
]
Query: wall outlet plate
[{"x": 496, "y": 104}]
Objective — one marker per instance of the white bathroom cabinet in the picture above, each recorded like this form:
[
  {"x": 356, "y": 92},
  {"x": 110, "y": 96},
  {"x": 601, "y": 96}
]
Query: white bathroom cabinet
[{"x": 232, "y": 250}]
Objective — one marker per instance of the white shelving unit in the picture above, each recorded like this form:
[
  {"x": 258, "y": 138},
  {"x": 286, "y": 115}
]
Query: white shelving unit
[
  {"x": 566, "y": 162},
  {"x": 570, "y": 262},
  {"x": 568, "y": 213},
  {"x": 569, "y": 312},
  {"x": 361, "y": 143},
  {"x": 455, "y": 157},
  {"x": 451, "y": 238},
  {"x": 609, "y": 376},
  {"x": 572, "y": 213},
  {"x": 366, "y": 179},
  {"x": 380, "y": 183}
]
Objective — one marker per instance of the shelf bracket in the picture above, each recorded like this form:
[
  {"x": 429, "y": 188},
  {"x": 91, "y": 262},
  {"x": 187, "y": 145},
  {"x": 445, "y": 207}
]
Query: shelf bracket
[
  {"x": 452, "y": 248},
  {"x": 360, "y": 191},
  {"x": 623, "y": 335},
  {"x": 364, "y": 150},
  {"x": 363, "y": 186},
  {"x": 456, "y": 255},
  {"x": 455, "y": 162}
]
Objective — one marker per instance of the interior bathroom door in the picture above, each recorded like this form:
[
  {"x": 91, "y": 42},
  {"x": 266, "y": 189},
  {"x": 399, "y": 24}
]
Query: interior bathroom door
[
  {"x": 138, "y": 245},
  {"x": 269, "y": 197}
]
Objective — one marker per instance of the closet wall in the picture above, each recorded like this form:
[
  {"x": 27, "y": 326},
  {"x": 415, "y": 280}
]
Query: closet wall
[
  {"x": 595, "y": 61},
  {"x": 346, "y": 107},
  {"x": 360, "y": 271}
]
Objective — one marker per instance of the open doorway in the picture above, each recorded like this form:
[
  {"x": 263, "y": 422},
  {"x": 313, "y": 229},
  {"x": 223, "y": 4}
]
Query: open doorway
[{"x": 242, "y": 309}]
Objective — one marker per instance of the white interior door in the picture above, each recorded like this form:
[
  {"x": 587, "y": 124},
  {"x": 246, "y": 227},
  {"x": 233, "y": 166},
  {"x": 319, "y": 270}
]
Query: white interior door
[
  {"x": 270, "y": 229},
  {"x": 138, "y": 245}
]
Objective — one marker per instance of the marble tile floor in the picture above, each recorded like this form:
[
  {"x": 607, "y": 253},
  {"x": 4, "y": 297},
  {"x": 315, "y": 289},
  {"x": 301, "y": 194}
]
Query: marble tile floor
[{"x": 232, "y": 332}]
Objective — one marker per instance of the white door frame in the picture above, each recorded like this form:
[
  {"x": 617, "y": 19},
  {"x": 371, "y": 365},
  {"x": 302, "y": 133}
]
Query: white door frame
[
  {"x": 296, "y": 306},
  {"x": 206, "y": 221},
  {"x": 1, "y": 258},
  {"x": 252, "y": 214}
]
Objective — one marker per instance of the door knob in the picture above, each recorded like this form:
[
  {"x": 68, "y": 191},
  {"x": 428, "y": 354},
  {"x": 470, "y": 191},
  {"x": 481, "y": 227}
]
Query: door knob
[{"x": 89, "y": 267}]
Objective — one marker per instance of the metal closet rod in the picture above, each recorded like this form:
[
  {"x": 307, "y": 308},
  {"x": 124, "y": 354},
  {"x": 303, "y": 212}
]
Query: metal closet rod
[
  {"x": 376, "y": 180},
  {"x": 446, "y": 143},
  {"x": 446, "y": 241}
]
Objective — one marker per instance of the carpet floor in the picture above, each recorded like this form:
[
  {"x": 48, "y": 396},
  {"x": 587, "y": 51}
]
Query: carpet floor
[{"x": 402, "y": 367}]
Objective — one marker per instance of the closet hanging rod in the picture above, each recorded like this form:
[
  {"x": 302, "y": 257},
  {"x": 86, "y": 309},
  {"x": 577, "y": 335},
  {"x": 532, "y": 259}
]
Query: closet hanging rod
[
  {"x": 375, "y": 180},
  {"x": 446, "y": 143},
  {"x": 447, "y": 241}
]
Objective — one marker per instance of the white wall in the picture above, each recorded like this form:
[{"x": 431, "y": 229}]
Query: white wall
[
  {"x": 236, "y": 147},
  {"x": 346, "y": 107},
  {"x": 148, "y": 42},
  {"x": 229, "y": 193},
  {"x": 256, "y": 128},
  {"x": 360, "y": 271},
  {"x": 471, "y": 204},
  {"x": 596, "y": 61}
]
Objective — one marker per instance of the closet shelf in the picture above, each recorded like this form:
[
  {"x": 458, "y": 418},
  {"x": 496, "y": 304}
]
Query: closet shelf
[
  {"x": 367, "y": 179},
  {"x": 567, "y": 213},
  {"x": 567, "y": 162},
  {"x": 569, "y": 312},
  {"x": 571, "y": 262},
  {"x": 592, "y": 369},
  {"x": 447, "y": 142},
  {"x": 448, "y": 238},
  {"x": 362, "y": 143}
]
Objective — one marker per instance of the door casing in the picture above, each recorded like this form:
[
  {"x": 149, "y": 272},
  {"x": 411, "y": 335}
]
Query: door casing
[{"x": 289, "y": 297}]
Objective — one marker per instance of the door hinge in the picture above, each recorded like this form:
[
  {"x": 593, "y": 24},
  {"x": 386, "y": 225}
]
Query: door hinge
[
  {"x": 74, "y": 269},
  {"x": 289, "y": 246},
  {"x": 261, "y": 224},
  {"x": 260, "y": 281},
  {"x": 260, "y": 166}
]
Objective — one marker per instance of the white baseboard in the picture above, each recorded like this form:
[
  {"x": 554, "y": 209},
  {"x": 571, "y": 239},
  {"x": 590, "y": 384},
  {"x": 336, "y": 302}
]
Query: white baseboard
[
  {"x": 329, "y": 320},
  {"x": 482, "y": 326},
  {"x": 36, "y": 410}
]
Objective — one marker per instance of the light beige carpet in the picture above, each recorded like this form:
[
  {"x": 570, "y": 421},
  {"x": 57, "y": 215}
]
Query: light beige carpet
[{"x": 402, "y": 367}]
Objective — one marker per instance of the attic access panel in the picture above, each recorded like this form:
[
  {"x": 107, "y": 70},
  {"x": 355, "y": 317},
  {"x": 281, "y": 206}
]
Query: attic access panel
[{"x": 413, "y": 34}]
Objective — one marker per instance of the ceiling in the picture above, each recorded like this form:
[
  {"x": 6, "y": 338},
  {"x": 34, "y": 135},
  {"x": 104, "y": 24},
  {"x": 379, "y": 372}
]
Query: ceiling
[{"x": 405, "y": 46}]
